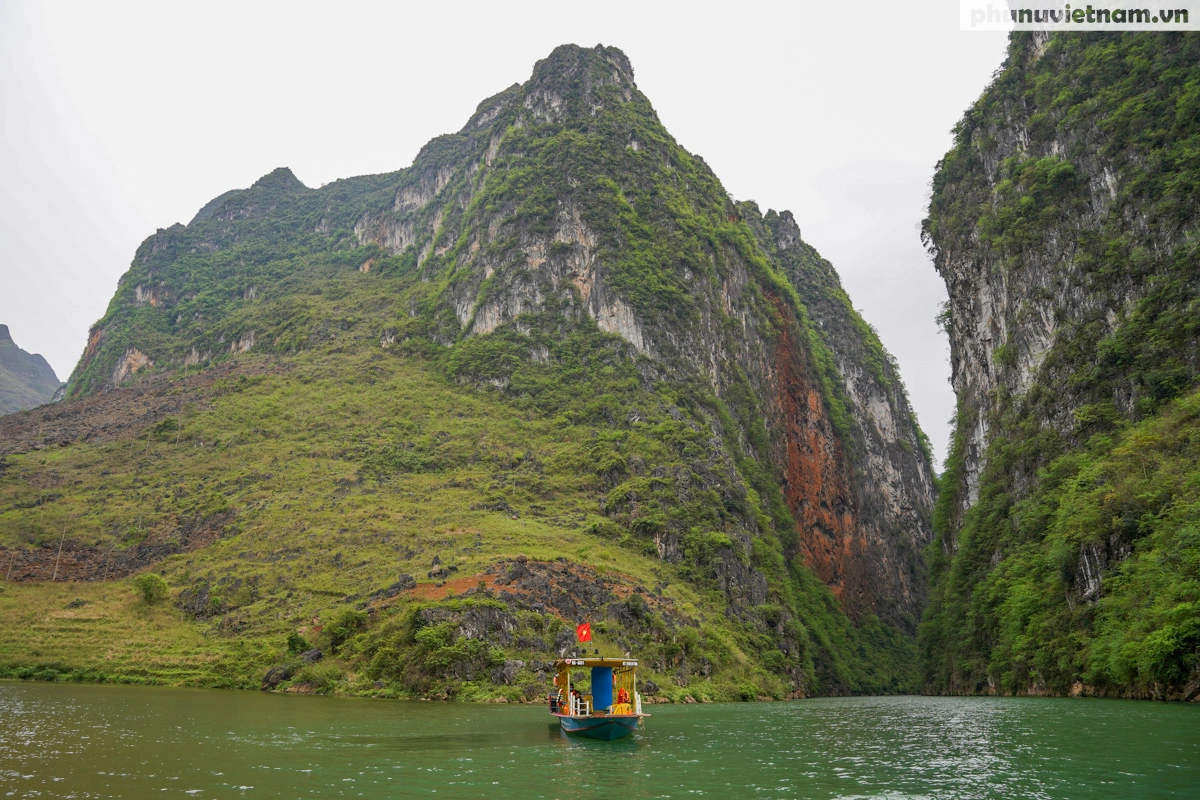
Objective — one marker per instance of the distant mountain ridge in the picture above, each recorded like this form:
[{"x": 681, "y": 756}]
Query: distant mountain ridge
[{"x": 26, "y": 379}]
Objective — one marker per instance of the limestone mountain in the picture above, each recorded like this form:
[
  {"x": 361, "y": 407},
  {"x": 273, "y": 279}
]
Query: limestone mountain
[
  {"x": 26, "y": 380},
  {"x": 1064, "y": 223},
  {"x": 554, "y": 336}
]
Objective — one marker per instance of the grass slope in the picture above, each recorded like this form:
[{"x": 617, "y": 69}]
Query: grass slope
[{"x": 343, "y": 471}]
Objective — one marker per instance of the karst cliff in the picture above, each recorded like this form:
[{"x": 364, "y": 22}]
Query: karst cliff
[{"x": 1063, "y": 222}]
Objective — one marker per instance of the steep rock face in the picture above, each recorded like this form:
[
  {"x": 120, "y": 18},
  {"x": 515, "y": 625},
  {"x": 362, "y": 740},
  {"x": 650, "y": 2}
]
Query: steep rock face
[
  {"x": 889, "y": 488},
  {"x": 564, "y": 233},
  {"x": 26, "y": 380},
  {"x": 1029, "y": 271},
  {"x": 1063, "y": 224},
  {"x": 694, "y": 307}
]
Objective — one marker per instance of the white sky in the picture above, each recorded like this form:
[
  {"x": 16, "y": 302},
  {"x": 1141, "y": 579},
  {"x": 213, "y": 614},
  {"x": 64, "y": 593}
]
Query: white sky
[{"x": 118, "y": 118}]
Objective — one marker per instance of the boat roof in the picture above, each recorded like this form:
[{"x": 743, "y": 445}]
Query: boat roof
[{"x": 596, "y": 662}]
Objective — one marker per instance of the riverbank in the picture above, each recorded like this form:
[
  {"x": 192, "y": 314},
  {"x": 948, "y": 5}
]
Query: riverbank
[{"x": 103, "y": 633}]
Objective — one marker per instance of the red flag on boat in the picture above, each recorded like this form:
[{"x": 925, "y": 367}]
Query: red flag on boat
[{"x": 583, "y": 632}]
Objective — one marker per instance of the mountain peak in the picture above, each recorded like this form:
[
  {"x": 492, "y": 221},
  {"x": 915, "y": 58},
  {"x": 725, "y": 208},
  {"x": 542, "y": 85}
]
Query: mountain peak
[
  {"x": 280, "y": 179},
  {"x": 572, "y": 62},
  {"x": 279, "y": 183},
  {"x": 5, "y": 336},
  {"x": 574, "y": 82},
  {"x": 563, "y": 84}
]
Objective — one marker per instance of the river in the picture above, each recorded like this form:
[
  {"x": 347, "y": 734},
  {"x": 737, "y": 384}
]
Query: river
[{"x": 79, "y": 741}]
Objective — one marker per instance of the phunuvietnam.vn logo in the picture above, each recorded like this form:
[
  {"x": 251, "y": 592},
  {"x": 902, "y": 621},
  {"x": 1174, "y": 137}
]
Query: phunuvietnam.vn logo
[{"x": 1098, "y": 15}]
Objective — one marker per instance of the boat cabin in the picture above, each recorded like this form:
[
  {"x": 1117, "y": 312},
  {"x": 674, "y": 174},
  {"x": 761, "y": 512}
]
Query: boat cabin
[{"x": 612, "y": 691}]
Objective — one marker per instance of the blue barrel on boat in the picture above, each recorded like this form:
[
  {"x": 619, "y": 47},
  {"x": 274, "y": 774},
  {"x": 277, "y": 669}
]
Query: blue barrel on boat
[{"x": 602, "y": 688}]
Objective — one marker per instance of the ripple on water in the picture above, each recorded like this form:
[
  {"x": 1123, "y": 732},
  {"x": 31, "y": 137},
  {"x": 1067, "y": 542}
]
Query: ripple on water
[{"x": 89, "y": 741}]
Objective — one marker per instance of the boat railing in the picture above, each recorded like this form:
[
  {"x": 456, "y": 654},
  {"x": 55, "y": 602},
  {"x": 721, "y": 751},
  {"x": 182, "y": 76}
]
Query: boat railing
[{"x": 580, "y": 707}]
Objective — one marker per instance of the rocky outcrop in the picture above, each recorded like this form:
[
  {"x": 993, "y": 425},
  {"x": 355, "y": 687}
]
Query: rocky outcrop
[
  {"x": 575, "y": 592},
  {"x": 132, "y": 361},
  {"x": 26, "y": 380}
]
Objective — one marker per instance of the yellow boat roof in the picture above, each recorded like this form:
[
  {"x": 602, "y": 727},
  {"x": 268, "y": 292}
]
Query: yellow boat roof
[{"x": 596, "y": 662}]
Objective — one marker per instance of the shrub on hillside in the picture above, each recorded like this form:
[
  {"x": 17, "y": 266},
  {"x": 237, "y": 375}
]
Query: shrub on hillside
[
  {"x": 296, "y": 643},
  {"x": 151, "y": 587}
]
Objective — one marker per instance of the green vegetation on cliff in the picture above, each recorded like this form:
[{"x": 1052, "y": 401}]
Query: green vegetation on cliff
[
  {"x": 1099, "y": 581},
  {"x": 1064, "y": 221}
]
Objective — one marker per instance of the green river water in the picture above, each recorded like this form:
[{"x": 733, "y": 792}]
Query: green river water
[{"x": 77, "y": 741}]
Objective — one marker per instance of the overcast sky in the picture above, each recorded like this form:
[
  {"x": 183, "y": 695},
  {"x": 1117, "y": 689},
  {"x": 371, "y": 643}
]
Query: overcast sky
[{"x": 119, "y": 118}]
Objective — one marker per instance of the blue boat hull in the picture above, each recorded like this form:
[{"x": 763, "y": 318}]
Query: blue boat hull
[{"x": 603, "y": 728}]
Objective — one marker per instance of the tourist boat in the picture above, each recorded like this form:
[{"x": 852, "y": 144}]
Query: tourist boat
[{"x": 610, "y": 710}]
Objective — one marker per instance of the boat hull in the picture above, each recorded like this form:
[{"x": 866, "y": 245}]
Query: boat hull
[{"x": 604, "y": 728}]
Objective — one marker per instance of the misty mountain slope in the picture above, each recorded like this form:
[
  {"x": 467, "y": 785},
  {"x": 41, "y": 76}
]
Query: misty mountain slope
[
  {"x": 1064, "y": 224},
  {"x": 667, "y": 386},
  {"x": 26, "y": 380}
]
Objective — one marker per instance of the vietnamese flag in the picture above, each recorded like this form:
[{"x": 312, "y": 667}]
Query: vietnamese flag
[{"x": 583, "y": 632}]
